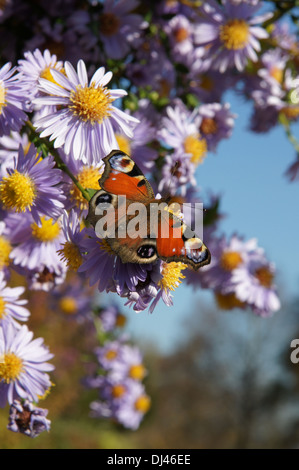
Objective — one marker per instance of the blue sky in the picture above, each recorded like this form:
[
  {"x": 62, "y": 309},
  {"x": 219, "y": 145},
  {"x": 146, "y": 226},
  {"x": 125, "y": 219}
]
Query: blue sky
[{"x": 258, "y": 200}]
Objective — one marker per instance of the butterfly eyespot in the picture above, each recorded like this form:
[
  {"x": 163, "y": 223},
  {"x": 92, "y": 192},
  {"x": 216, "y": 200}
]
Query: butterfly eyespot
[
  {"x": 146, "y": 251},
  {"x": 103, "y": 198}
]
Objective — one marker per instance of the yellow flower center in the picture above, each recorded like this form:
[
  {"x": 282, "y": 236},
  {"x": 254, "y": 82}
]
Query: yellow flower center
[
  {"x": 123, "y": 143},
  {"x": 264, "y": 276},
  {"x": 70, "y": 253},
  {"x": 137, "y": 372},
  {"x": 111, "y": 354},
  {"x": 68, "y": 305},
  {"x": 228, "y": 301},
  {"x": 230, "y": 260},
  {"x": 109, "y": 24},
  {"x": 2, "y": 308},
  {"x": 91, "y": 103},
  {"x": 172, "y": 275},
  {"x": 2, "y": 97},
  {"x": 17, "y": 192},
  {"x": 208, "y": 126},
  {"x": 120, "y": 320},
  {"x": 11, "y": 367},
  {"x": 104, "y": 245},
  {"x": 196, "y": 147},
  {"x": 290, "y": 112},
  {"x": 5, "y": 249},
  {"x": 89, "y": 179},
  {"x": 46, "y": 73},
  {"x": 181, "y": 34},
  {"x": 143, "y": 404},
  {"x": 47, "y": 232},
  {"x": 118, "y": 391},
  {"x": 277, "y": 74},
  {"x": 234, "y": 34}
]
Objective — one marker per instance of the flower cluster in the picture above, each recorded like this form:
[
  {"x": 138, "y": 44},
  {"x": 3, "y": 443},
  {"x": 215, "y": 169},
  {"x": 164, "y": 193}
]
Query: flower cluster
[
  {"x": 240, "y": 276},
  {"x": 119, "y": 375},
  {"x": 86, "y": 78}
]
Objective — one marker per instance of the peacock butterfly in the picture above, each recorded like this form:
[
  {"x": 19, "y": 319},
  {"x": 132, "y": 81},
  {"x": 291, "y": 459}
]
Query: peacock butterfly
[{"x": 122, "y": 186}]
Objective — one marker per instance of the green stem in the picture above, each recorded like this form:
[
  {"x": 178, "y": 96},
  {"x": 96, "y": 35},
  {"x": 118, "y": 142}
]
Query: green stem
[
  {"x": 46, "y": 148},
  {"x": 286, "y": 125}
]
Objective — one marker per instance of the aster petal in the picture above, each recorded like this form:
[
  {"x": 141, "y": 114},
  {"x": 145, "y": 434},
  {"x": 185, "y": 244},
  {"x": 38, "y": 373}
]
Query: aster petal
[
  {"x": 97, "y": 76},
  {"x": 82, "y": 74},
  {"x": 71, "y": 73},
  {"x": 106, "y": 79}
]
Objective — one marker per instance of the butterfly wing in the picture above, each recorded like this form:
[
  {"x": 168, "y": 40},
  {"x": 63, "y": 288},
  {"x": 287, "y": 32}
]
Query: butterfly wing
[
  {"x": 123, "y": 177},
  {"x": 179, "y": 247},
  {"x": 110, "y": 216}
]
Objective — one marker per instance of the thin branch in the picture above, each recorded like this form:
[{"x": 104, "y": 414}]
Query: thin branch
[{"x": 286, "y": 125}]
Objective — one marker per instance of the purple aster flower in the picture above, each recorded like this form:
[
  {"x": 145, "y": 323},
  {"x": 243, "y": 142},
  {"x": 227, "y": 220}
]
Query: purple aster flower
[
  {"x": 33, "y": 185},
  {"x": 279, "y": 93},
  {"x": 23, "y": 365},
  {"x": 124, "y": 401},
  {"x": 133, "y": 406},
  {"x": 180, "y": 131},
  {"x": 281, "y": 34},
  {"x": 109, "y": 354},
  {"x": 26, "y": 418},
  {"x": 226, "y": 256},
  {"x": 177, "y": 174},
  {"x": 111, "y": 318},
  {"x": 12, "y": 101},
  {"x": 180, "y": 33},
  {"x": 73, "y": 300},
  {"x": 119, "y": 28},
  {"x": 216, "y": 123},
  {"x": 130, "y": 364},
  {"x": 82, "y": 124},
  {"x": 266, "y": 88},
  {"x": 170, "y": 279},
  {"x": 35, "y": 65},
  {"x": 45, "y": 278},
  {"x": 98, "y": 261},
  {"x": 231, "y": 33},
  {"x": 253, "y": 285},
  {"x": 11, "y": 307},
  {"x": 102, "y": 266},
  {"x": 71, "y": 251},
  {"x": 35, "y": 245},
  {"x": 273, "y": 63}
]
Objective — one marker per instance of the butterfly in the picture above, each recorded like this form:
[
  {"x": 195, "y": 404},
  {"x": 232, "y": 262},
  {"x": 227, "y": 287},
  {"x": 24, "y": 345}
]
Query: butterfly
[{"x": 123, "y": 188}]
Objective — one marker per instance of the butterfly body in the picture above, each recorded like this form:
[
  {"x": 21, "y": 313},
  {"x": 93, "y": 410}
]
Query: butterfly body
[{"x": 155, "y": 233}]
